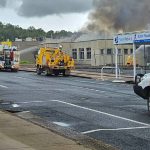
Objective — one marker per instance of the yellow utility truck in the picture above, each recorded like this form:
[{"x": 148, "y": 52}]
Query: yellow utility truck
[
  {"x": 53, "y": 61},
  {"x": 9, "y": 56},
  {"x": 129, "y": 62}
]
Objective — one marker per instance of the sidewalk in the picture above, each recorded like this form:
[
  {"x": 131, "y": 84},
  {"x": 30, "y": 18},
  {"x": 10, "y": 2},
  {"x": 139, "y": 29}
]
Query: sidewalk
[
  {"x": 97, "y": 76},
  {"x": 18, "y": 134}
]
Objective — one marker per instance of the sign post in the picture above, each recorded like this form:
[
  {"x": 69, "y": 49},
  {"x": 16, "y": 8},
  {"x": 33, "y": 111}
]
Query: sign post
[
  {"x": 116, "y": 61},
  {"x": 134, "y": 61}
]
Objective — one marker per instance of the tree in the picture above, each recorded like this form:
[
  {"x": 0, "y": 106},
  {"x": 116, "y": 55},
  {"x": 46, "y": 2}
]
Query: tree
[
  {"x": 50, "y": 34},
  {"x": 11, "y": 32}
]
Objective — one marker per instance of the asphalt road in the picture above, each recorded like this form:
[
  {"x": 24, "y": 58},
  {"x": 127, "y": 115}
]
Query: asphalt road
[{"x": 106, "y": 111}]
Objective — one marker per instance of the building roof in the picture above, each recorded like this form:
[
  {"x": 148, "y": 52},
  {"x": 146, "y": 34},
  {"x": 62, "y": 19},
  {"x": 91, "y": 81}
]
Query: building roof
[{"x": 80, "y": 38}]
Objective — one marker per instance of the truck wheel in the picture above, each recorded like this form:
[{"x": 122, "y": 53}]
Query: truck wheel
[
  {"x": 56, "y": 73},
  {"x": 14, "y": 70},
  {"x": 38, "y": 71},
  {"x": 66, "y": 73},
  {"x": 46, "y": 72}
]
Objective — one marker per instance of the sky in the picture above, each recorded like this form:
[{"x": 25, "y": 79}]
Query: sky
[
  {"x": 74, "y": 15},
  {"x": 70, "y": 15}
]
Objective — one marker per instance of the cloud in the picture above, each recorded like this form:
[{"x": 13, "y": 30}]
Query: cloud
[
  {"x": 119, "y": 15},
  {"x": 40, "y": 8},
  {"x": 3, "y": 3}
]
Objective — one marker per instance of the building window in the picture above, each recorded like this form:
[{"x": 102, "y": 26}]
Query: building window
[
  {"x": 119, "y": 51},
  {"x": 81, "y": 53},
  {"x": 74, "y": 53},
  {"x": 131, "y": 51},
  {"x": 126, "y": 51},
  {"x": 102, "y": 51},
  {"x": 109, "y": 51},
  {"x": 88, "y": 50}
]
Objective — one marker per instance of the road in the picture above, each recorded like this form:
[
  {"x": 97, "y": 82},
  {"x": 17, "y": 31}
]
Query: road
[{"x": 103, "y": 110}]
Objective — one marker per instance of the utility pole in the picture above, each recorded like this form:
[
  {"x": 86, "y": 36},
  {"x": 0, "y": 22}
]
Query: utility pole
[{"x": 144, "y": 60}]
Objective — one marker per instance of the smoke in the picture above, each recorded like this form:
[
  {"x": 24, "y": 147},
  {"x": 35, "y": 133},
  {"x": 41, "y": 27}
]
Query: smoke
[
  {"x": 119, "y": 15},
  {"x": 38, "y": 8},
  {"x": 3, "y": 3}
]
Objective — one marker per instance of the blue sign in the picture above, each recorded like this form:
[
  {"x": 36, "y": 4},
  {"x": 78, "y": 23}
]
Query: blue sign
[
  {"x": 132, "y": 38},
  {"x": 142, "y": 38},
  {"x": 124, "y": 39},
  {"x": 142, "y": 41}
]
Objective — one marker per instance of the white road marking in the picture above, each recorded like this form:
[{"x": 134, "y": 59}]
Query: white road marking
[
  {"x": 118, "y": 129},
  {"x": 23, "y": 112},
  {"x": 3, "y": 86},
  {"x": 31, "y": 102},
  {"x": 90, "y": 89},
  {"x": 28, "y": 102},
  {"x": 101, "y": 91},
  {"x": 94, "y": 82},
  {"x": 93, "y": 110},
  {"x": 62, "y": 124},
  {"x": 6, "y": 103},
  {"x": 100, "y": 112},
  {"x": 20, "y": 77},
  {"x": 15, "y": 105}
]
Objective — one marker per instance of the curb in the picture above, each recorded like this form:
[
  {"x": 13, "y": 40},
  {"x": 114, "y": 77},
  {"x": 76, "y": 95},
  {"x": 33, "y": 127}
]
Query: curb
[
  {"x": 27, "y": 70},
  {"x": 88, "y": 77}
]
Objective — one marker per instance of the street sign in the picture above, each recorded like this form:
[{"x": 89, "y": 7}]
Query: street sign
[
  {"x": 143, "y": 37},
  {"x": 123, "y": 39}
]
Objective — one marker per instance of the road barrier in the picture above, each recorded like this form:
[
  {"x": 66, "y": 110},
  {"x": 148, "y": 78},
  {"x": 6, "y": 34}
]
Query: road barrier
[{"x": 108, "y": 67}]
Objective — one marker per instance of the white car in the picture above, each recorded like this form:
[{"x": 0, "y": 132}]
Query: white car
[{"x": 142, "y": 87}]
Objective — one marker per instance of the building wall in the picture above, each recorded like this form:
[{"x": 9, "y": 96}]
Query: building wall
[
  {"x": 82, "y": 45},
  {"x": 100, "y": 52}
]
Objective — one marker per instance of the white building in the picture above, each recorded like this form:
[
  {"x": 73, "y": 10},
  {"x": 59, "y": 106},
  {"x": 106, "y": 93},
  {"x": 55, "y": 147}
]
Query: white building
[
  {"x": 18, "y": 40},
  {"x": 29, "y": 39}
]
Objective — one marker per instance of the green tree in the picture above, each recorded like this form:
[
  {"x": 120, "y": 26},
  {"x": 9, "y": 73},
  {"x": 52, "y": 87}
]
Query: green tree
[{"x": 9, "y": 31}]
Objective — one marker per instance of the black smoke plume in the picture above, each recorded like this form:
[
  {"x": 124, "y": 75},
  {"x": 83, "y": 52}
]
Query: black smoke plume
[{"x": 119, "y": 15}]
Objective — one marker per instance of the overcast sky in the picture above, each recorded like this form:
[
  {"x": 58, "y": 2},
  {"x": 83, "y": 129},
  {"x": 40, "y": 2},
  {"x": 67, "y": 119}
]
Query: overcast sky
[
  {"x": 72, "y": 15},
  {"x": 55, "y": 15}
]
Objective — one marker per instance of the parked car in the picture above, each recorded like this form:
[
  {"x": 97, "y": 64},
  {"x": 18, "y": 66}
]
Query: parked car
[{"x": 142, "y": 86}]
